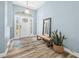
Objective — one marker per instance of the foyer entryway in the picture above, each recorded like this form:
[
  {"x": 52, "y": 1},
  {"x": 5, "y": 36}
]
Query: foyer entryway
[{"x": 23, "y": 25}]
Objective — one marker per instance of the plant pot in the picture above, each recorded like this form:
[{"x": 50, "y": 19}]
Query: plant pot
[{"x": 58, "y": 49}]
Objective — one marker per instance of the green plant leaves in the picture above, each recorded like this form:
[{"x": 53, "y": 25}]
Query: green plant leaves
[{"x": 58, "y": 38}]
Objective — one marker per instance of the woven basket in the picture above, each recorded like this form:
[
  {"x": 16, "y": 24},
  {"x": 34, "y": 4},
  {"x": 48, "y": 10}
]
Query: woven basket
[{"x": 58, "y": 49}]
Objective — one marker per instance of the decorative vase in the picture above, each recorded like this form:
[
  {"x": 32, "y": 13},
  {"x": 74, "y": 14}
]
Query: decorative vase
[{"x": 58, "y": 49}]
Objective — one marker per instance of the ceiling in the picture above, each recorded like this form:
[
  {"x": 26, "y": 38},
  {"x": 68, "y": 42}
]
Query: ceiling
[{"x": 31, "y": 4}]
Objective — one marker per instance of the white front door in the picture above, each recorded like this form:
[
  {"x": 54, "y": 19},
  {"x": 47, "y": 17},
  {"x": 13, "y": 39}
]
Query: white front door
[{"x": 25, "y": 27}]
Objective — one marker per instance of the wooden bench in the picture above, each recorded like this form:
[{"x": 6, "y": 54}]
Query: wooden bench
[{"x": 43, "y": 37}]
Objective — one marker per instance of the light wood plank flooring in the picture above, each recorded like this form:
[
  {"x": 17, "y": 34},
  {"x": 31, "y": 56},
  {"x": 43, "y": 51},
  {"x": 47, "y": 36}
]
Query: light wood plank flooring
[{"x": 33, "y": 48}]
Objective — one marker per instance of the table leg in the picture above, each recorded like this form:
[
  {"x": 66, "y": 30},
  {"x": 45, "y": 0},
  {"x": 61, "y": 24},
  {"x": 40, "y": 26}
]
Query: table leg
[{"x": 37, "y": 37}]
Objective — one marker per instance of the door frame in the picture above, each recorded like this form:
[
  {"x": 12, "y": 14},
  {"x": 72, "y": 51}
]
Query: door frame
[{"x": 15, "y": 25}]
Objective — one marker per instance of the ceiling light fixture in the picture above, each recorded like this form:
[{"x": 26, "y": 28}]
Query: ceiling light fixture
[{"x": 27, "y": 11}]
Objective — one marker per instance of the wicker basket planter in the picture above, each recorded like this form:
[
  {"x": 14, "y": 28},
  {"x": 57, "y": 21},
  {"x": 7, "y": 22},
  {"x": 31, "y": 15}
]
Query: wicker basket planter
[{"x": 58, "y": 49}]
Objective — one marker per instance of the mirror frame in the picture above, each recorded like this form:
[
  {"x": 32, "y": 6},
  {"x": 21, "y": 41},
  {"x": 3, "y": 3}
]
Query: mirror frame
[{"x": 49, "y": 35}]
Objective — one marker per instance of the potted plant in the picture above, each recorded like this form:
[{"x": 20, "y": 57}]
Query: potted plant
[{"x": 57, "y": 39}]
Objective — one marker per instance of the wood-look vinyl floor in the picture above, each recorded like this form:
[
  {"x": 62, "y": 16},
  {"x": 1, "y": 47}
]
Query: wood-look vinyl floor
[{"x": 33, "y": 48}]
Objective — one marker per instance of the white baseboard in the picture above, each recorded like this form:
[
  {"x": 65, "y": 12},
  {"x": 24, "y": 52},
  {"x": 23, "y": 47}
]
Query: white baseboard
[{"x": 71, "y": 52}]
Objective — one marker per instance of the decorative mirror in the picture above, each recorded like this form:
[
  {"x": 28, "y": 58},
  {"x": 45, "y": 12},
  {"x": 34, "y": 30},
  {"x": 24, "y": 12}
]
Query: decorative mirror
[{"x": 47, "y": 27}]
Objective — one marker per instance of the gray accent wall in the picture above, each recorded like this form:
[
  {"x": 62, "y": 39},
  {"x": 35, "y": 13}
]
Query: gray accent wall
[
  {"x": 34, "y": 15},
  {"x": 10, "y": 15},
  {"x": 5, "y": 24},
  {"x": 65, "y": 18},
  {"x": 2, "y": 31}
]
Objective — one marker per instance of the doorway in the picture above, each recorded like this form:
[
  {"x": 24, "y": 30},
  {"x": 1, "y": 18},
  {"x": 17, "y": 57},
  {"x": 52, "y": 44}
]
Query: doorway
[{"x": 23, "y": 25}]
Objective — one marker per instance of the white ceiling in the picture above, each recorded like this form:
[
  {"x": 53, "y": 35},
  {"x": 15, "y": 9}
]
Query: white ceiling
[{"x": 32, "y": 4}]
